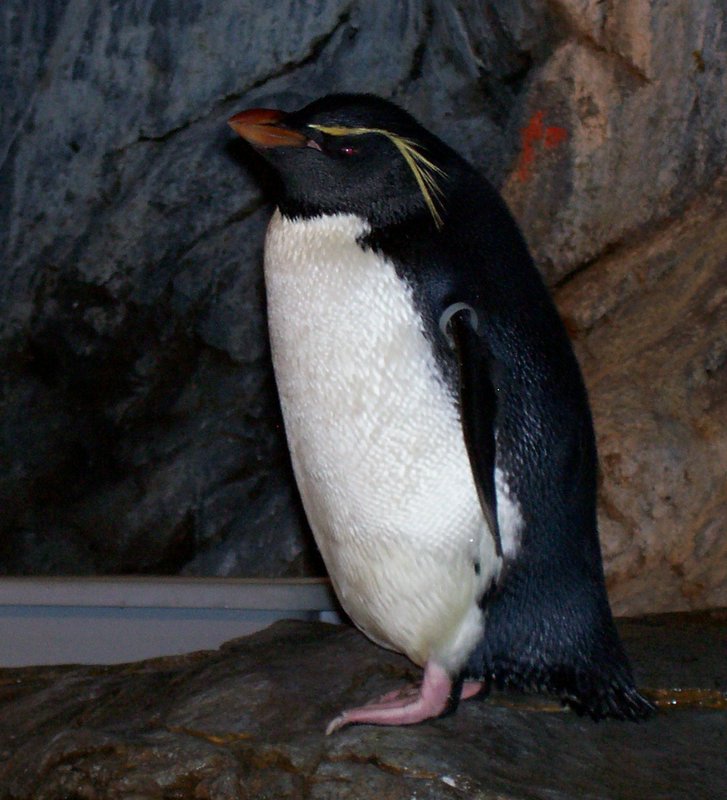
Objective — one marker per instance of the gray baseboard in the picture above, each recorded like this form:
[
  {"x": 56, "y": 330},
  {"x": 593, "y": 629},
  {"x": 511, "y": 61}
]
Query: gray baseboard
[{"x": 121, "y": 619}]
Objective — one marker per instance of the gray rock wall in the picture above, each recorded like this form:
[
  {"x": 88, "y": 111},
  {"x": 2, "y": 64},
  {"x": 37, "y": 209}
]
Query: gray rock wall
[{"x": 139, "y": 429}]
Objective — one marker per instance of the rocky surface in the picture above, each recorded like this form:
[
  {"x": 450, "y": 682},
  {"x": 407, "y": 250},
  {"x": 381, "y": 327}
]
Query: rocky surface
[
  {"x": 650, "y": 329},
  {"x": 627, "y": 108},
  {"x": 139, "y": 429},
  {"x": 247, "y": 722}
]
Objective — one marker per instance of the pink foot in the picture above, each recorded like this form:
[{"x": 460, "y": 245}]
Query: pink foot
[
  {"x": 407, "y": 706},
  {"x": 470, "y": 689}
]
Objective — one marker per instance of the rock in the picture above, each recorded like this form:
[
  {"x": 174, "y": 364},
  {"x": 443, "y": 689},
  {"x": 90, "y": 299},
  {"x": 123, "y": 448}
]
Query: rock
[
  {"x": 624, "y": 122},
  {"x": 650, "y": 329},
  {"x": 247, "y": 722},
  {"x": 139, "y": 428}
]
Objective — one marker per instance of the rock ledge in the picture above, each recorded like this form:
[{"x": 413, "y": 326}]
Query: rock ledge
[{"x": 247, "y": 721}]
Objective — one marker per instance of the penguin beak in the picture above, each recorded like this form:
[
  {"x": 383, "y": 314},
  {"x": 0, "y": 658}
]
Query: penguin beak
[{"x": 261, "y": 128}]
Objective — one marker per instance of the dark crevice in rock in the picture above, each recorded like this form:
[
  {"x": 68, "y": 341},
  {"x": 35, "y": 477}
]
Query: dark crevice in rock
[
  {"x": 420, "y": 50},
  {"x": 649, "y": 233},
  {"x": 317, "y": 47},
  {"x": 607, "y": 250},
  {"x": 163, "y": 137},
  {"x": 569, "y": 30},
  {"x": 621, "y": 63}
]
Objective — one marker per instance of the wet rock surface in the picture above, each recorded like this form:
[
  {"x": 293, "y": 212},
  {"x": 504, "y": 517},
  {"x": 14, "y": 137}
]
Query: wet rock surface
[
  {"x": 139, "y": 428},
  {"x": 247, "y": 722}
]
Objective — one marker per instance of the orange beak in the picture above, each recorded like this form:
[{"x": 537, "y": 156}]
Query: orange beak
[{"x": 258, "y": 127}]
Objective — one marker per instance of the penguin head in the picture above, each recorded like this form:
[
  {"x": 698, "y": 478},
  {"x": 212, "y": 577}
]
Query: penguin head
[{"x": 352, "y": 153}]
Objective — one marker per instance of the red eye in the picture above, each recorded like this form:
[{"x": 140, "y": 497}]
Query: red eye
[{"x": 347, "y": 150}]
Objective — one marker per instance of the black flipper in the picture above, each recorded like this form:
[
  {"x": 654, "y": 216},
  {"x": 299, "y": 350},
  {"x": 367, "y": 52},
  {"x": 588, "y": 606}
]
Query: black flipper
[{"x": 478, "y": 404}]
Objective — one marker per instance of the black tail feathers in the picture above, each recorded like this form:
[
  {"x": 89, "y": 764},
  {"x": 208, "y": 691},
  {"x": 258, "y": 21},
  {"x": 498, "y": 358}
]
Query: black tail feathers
[{"x": 589, "y": 692}]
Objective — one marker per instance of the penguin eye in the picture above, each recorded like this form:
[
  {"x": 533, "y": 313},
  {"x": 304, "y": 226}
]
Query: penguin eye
[{"x": 347, "y": 150}]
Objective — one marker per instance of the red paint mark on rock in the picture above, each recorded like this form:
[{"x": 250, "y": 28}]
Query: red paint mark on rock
[
  {"x": 535, "y": 132},
  {"x": 528, "y": 137},
  {"x": 554, "y": 135}
]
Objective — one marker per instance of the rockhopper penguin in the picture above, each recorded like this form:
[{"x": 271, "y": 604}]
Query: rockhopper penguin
[{"x": 437, "y": 420}]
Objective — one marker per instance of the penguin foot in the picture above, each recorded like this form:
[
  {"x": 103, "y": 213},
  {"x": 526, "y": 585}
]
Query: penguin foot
[
  {"x": 470, "y": 689},
  {"x": 409, "y": 705}
]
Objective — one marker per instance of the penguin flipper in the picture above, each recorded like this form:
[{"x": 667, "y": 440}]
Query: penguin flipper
[{"x": 478, "y": 405}]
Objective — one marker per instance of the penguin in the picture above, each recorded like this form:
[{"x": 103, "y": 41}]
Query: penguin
[{"x": 436, "y": 416}]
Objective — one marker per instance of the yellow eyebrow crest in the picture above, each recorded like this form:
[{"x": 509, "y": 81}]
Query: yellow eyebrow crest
[{"x": 424, "y": 170}]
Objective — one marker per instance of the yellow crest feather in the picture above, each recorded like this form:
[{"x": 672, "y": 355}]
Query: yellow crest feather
[{"x": 424, "y": 170}]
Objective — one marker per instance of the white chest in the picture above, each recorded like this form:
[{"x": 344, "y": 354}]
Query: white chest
[{"x": 376, "y": 441}]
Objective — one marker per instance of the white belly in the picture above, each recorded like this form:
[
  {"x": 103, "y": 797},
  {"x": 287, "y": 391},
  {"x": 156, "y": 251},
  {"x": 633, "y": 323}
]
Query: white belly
[{"x": 376, "y": 442}]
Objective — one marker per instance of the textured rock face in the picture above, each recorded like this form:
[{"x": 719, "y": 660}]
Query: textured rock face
[
  {"x": 139, "y": 428},
  {"x": 637, "y": 89},
  {"x": 650, "y": 328},
  {"x": 247, "y": 722}
]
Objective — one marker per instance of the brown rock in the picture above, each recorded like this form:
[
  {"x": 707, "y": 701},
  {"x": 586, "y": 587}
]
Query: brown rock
[
  {"x": 650, "y": 326},
  {"x": 632, "y": 98}
]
